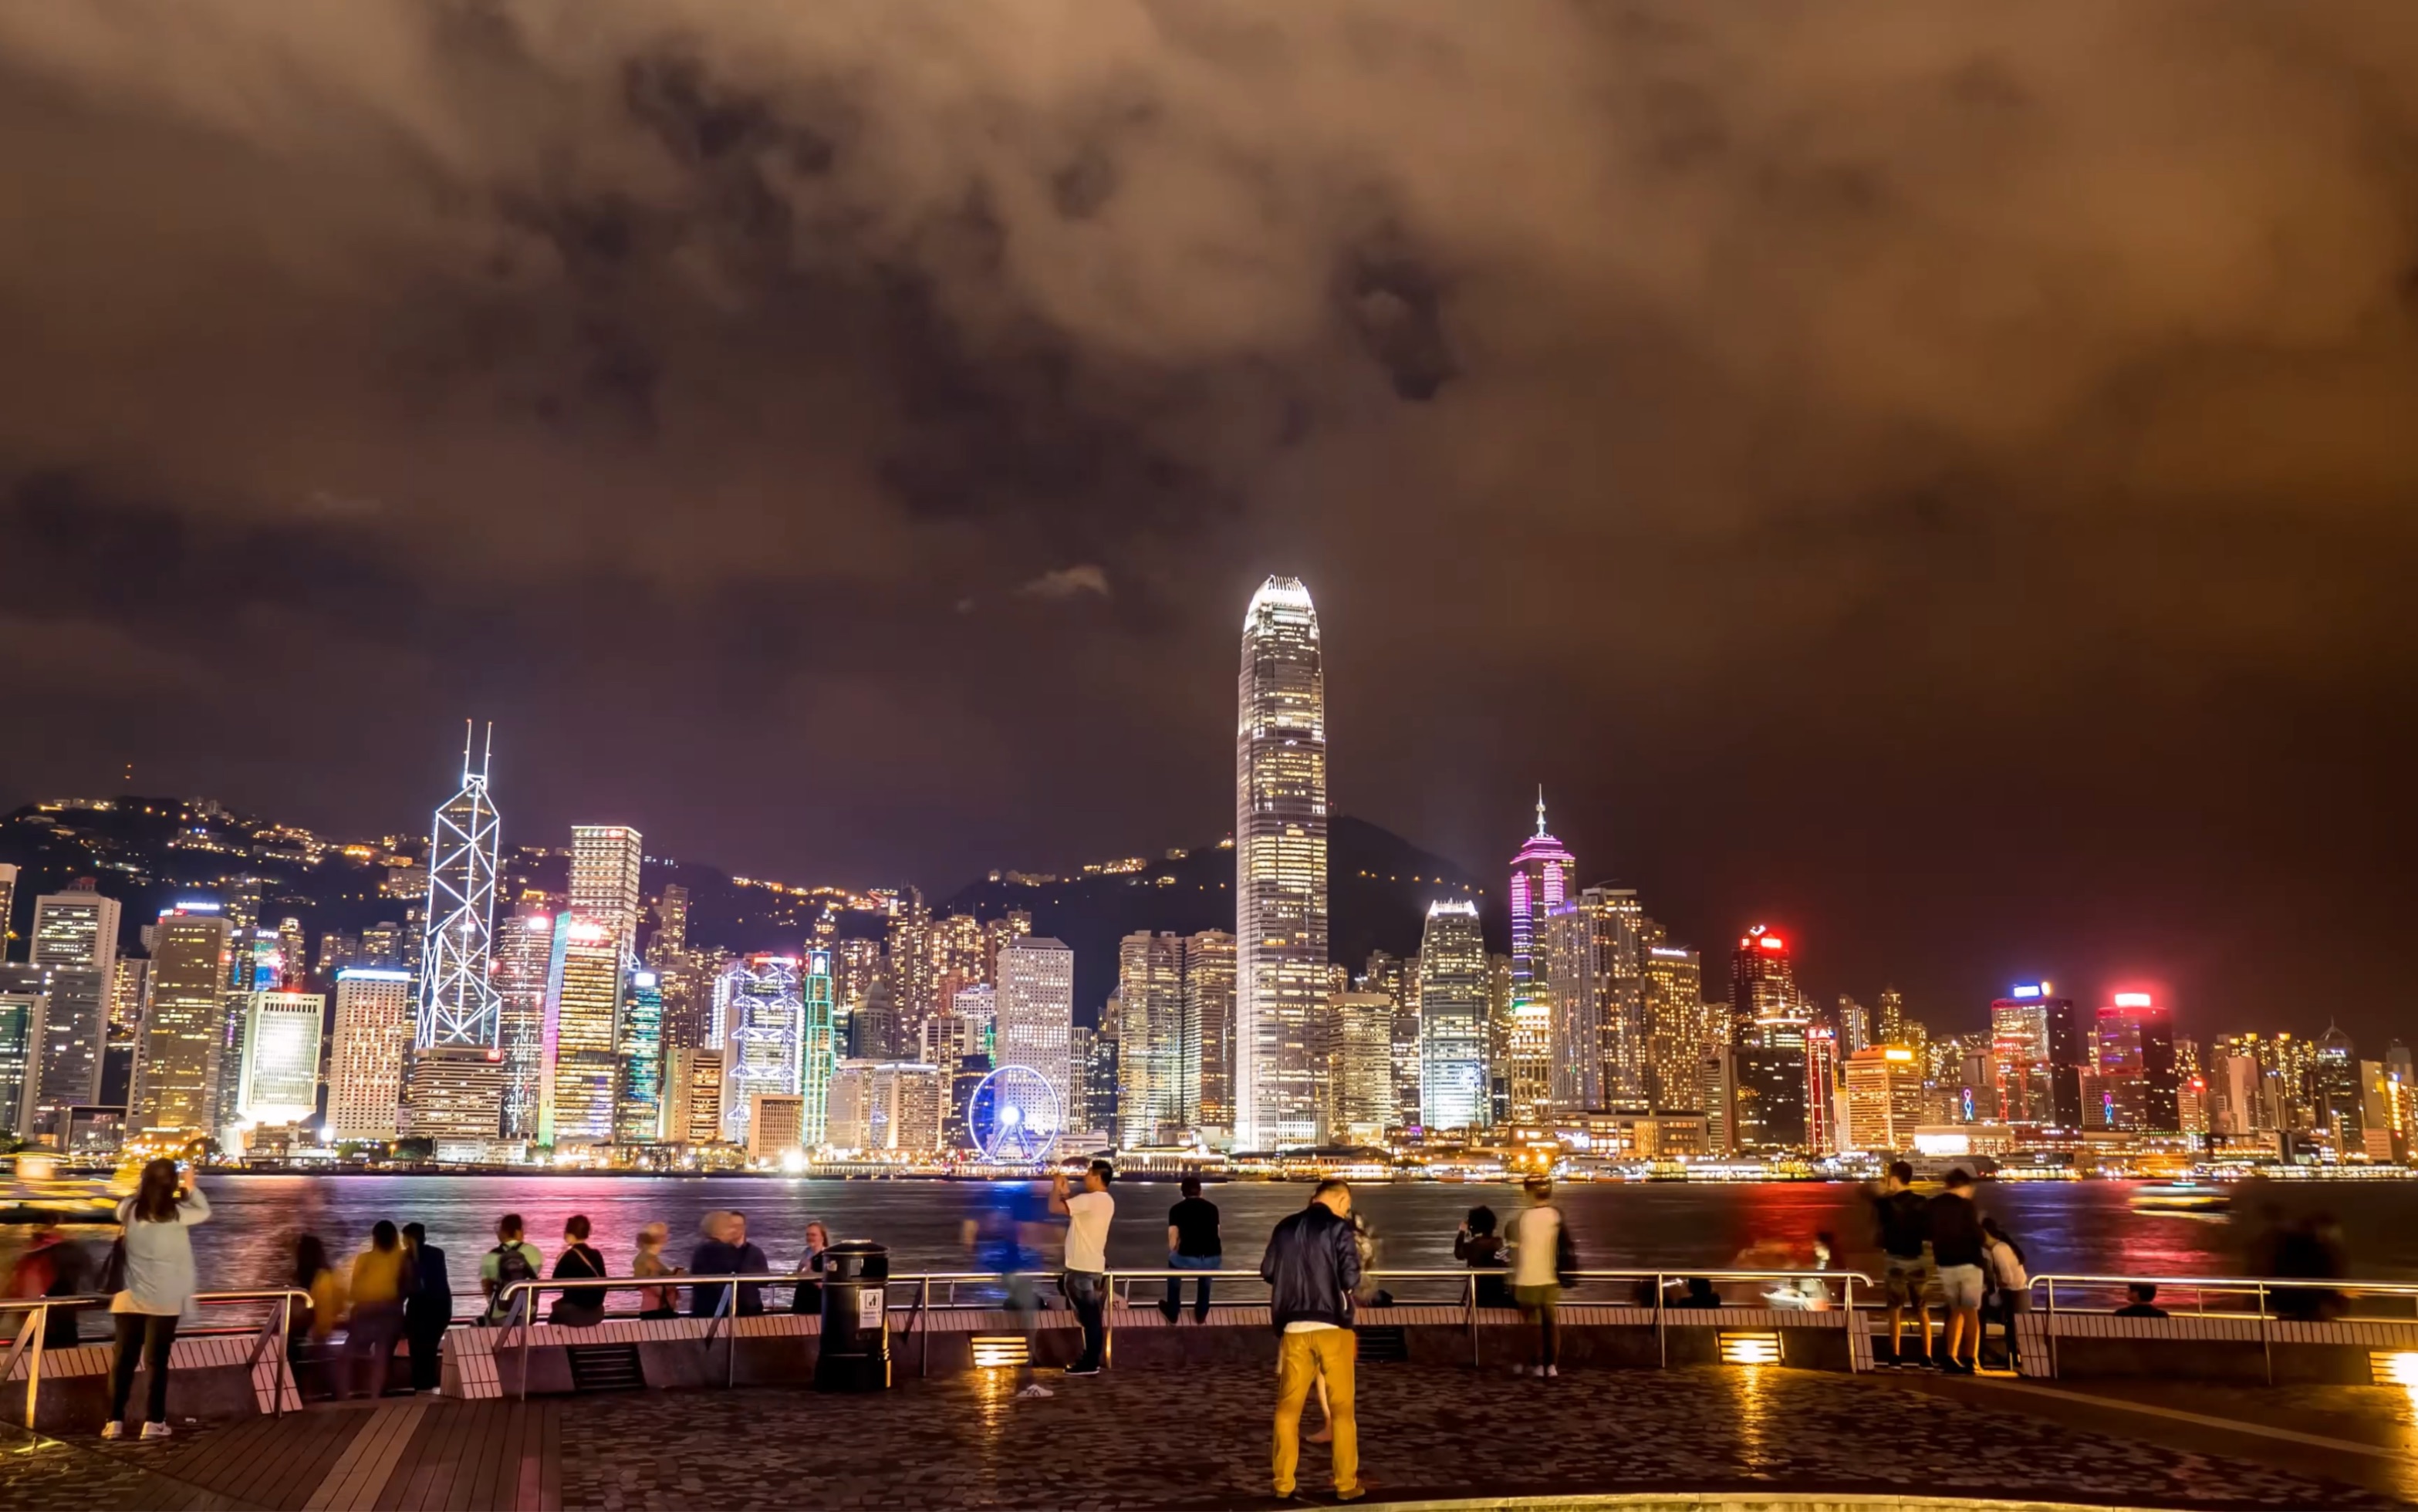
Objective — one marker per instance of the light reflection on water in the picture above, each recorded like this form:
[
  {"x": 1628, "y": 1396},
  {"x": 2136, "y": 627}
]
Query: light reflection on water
[{"x": 2065, "y": 1227}]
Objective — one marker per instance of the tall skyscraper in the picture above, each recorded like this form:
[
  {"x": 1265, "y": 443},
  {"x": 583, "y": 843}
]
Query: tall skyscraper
[
  {"x": 2335, "y": 1092},
  {"x": 524, "y": 964},
  {"x": 580, "y": 1072},
  {"x": 1036, "y": 1020},
  {"x": 1540, "y": 883},
  {"x": 1157, "y": 1064},
  {"x": 1280, "y": 816},
  {"x": 1676, "y": 1041},
  {"x": 7, "y": 906},
  {"x": 75, "y": 935},
  {"x": 21, "y": 1015},
  {"x": 1209, "y": 1004},
  {"x": 1762, "y": 984},
  {"x": 1596, "y": 992},
  {"x": 457, "y": 994},
  {"x": 281, "y": 1061},
  {"x": 670, "y": 939},
  {"x": 1884, "y": 1099},
  {"x": 639, "y": 1100},
  {"x": 2019, "y": 1057},
  {"x": 373, "y": 1026},
  {"x": 1889, "y": 1025},
  {"x": 454, "y": 1099},
  {"x": 818, "y": 1044},
  {"x": 605, "y": 860},
  {"x": 693, "y": 1083},
  {"x": 1452, "y": 1018},
  {"x": 175, "y": 1075},
  {"x": 1360, "y": 1069},
  {"x": 759, "y": 1006}
]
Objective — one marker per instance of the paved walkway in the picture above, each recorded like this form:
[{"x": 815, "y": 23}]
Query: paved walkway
[{"x": 1177, "y": 1441}]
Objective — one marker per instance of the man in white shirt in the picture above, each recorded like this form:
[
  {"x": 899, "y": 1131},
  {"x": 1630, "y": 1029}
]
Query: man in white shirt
[
  {"x": 1084, "y": 1279},
  {"x": 1536, "y": 1246}
]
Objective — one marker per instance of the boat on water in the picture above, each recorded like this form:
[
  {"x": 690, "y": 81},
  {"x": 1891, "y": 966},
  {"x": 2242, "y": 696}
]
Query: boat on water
[
  {"x": 2189, "y": 1199},
  {"x": 38, "y": 1190}
]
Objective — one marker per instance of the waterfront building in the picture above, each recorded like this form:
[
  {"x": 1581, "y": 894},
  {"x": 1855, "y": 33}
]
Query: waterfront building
[
  {"x": 1399, "y": 980},
  {"x": 258, "y": 966},
  {"x": 1716, "y": 1095},
  {"x": 2069, "y": 1053},
  {"x": 638, "y": 1097},
  {"x": 605, "y": 861},
  {"x": 1855, "y": 1024},
  {"x": 1891, "y": 1023},
  {"x": 818, "y": 1043},
  {"x": 2021, "y": 1076},
  {"x": 75, "y": 936},
  {"x": 914, "y": 983},
  {"x": 579, "y": 1075},
  {"x": 2336, "y": 1094},
  {"x": 1768, "y": 1092},
  {"x": 1209, "y": 1009},
  {"x": 1359, "y": 1068},
  {"x": 875, "y": 1032},
  {"x": 1280, "y": 823},
  {"x": 1822, "y": 1090},
  {"x": 856, "y": 966},
  {"x": 880, "y": 1105},
  {"x": 1036, "y": 1024},
  {"x": 1597, "y": 990},
  {"x": 374, "y": 1029},
  {"x": 281, "y": 1061},
  {"x": 454, "y": 1099},
  {"x": 760, "y": 1007},
  {"x": 1539, "y": 1069},
  {"x": 1672, "y": 986},
  {"x": 1158, "y": 1054},
  {"x": 776, "y": 1125},
  {"x": 1763, "y": 986},
  {"x": 523, "y": 968},
  {"x": 1498, "y": 1039},
  {"x": 21, "y": 1017},
  {"x": 1452, "y": 1018},
  {"x": 457, "y": 994},
  {"x": 1092, "y": 1072},
  {"x": 176, "y": 1072},
  {"x": 694, "y": 1086}
]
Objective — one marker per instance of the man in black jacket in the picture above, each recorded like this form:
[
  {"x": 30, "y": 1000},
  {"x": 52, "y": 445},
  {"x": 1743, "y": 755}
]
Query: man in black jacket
[
  {"x": 427, "y": 1308},
  {"x": 1311, "y": 1267}
]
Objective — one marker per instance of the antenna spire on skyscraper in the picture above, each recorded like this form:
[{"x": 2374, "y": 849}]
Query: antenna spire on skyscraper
[{"x": 1541, "y": 808}]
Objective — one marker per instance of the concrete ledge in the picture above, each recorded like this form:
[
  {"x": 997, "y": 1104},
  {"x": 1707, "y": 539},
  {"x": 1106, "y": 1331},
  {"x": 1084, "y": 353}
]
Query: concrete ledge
[
  {"x": 2209, "y": 1347},
  {"x": 206, "y": 1379}
]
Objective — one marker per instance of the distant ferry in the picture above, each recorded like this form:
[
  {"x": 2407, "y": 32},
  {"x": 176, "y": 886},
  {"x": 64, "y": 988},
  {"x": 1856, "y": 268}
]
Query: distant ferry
[{"x": 2190, "y": 1198}]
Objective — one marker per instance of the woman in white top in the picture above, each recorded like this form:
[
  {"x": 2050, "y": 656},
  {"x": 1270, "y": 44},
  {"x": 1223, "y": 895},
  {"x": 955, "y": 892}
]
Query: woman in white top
[{"x": 159, "y": 1288}]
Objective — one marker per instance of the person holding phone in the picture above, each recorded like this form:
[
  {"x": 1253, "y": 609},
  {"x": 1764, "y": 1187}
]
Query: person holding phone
[{"x": 157, "y": 1291}]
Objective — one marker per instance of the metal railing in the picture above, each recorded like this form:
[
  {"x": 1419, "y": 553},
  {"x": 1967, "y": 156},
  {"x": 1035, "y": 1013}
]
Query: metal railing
[
  {"x": 519, "y": 1298},
  {"x": 2260, "y": 1290},
  {"x": 33, "y": 1330}
]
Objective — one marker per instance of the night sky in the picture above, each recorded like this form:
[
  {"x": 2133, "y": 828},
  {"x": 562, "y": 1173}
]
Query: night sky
[{"x": 1935, "y": 477}]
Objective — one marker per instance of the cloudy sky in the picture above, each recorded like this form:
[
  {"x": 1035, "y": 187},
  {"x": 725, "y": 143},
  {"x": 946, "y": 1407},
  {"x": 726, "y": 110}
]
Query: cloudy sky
[{"x": 1938, "y": 477}]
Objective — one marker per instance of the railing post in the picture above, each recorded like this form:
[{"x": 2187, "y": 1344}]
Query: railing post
[
  {"x": 516, "y": 1315},
  {"x": 39, "y": 1318},
  {"x": 1849, "y": 1304},
  {"x": 1662, "y": 1338},
  {"x": 1469, "y": 1310},
  {"x": 285, "y": 1332},
  {"x": 730, "y": 1338},
  {"x": 2052, "y": 1329},
  {"x": 2266, "y": 1337},
  {"x": 922, "y": 1323}
]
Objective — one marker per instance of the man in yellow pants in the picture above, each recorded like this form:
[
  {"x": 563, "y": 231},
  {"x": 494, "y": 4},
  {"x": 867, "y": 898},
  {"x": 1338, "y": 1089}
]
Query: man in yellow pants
[{"x": 1311, "y": 1266}]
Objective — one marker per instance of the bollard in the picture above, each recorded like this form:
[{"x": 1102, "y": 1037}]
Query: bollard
[{"x": 854, "y": 1351}]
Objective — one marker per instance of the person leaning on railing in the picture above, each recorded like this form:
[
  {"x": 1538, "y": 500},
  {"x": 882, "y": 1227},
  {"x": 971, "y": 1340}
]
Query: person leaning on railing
[{"x": 157, "y": 1293}]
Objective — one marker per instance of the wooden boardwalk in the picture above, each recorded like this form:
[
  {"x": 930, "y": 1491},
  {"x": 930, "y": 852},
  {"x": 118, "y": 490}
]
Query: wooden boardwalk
[{"x": 415, "y": 1455}]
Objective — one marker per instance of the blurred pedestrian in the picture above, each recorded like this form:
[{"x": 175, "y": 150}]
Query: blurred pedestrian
[
  {"x": 159, "y": 1287},
  {"x": 428, "y": 1311},
  {"x": 1084, "y": 1279},
  {"x": 2311, "y": 1250},
  {"x": 2010, "y": 1289},
  {"x": 582, "y": 1307},
  {"x": 1192, "y": 1244},
  {"x": 1312, "y": 1267},
  {"x": 1540, "y": 1257},
  {"x": 53, "y": 1265},
  {"x": 655, "y": 1301},
  {"x": 308, "y": 1333},
  {"x": 1956, "y": 1249},
  {"x": 725, "y": 1251},
  {"x": 998, "y": 1237},
  {"x": 1904, "y": 1219},
  {"x": 512, "y": 1260},
  {"x": 379, "y": 1281},
  {"x": 807, "y": 1295}
]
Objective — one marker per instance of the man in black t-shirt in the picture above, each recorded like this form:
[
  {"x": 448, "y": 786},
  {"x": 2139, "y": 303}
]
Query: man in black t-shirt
[{"x": 1191, "y": 1246}]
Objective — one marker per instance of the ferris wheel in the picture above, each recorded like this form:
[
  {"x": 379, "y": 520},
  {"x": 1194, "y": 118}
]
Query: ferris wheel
[{"x": 1013, "y": 1116}]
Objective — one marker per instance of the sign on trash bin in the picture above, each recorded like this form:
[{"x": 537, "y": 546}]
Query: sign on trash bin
[{"x": 868, "y": 1307}]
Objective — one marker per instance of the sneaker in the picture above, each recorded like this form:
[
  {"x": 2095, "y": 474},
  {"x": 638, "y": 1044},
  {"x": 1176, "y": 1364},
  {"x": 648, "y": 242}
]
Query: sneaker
[
  {"x": 1519, "y": 1369},
  {"x": 1036, "y": 1389},
  {"x": 112, "y": 1430},
  {"x": 156, "y": 1430},
  {"x": 1082, "y": 1370},
  {"x": 1550, "y": 1370}
]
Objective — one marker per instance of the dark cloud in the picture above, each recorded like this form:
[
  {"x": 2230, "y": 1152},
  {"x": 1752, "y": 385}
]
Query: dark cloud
[{"x": 1940, "y": 474}]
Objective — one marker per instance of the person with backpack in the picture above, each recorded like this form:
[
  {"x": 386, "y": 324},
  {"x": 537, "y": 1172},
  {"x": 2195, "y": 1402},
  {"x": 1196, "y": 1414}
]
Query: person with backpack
[
  {"x": 578, "y": 1261},
  {"x": 514, "y": 1258},
  {"x": 152, "y": 1270},
  {"x": 1540, "y": 1257}
]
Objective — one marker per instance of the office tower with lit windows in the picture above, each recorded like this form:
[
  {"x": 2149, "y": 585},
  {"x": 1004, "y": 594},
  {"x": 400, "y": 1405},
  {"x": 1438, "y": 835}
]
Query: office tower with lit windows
[
  {"x": 1358, "y": 1072},
  {"x": 909, "y": 966},
  {"x": 8, "y": 909},
  {"x": 1597, "y": 990},
  {"x": 692, "y": 1081},
  {"x": 963, "y": 1029},
  {"x": 886, "y": 1106},
  {"x": 453, "y": 1097},
  {"x": 1763, "y": 985},
  {"x": 1672, "y": 985},
  {"x": 759, "y": 1006},
  {"x": 818, "y": 1047},
  {"x": 281, "y": 1059},
  {"x": 1154, "y": 1057},
  {"x": 1891, "y": 1025},
  {"x": 605, "y": 863},
  {"x": 1209, "y": 1006},
  {"x": 638, "y": 1098},
  {"x": 1884, "y": 1099},
  {"x": 258, "y": 966},
  {"x": 2336, "y": 1096},
  {"x": 579, "y": 1075},
  {"x": 1281, "y": 820},
  {"x": 1015, "y": 923},
  {"x": 1452, "y": 1018},
  {"x": 1036, "y": 1022},
  {"x": 2020, "y": 1071},
  {"x": 130, "y": 986},
  {"x": 373, "y": 1027},
  {"x": 75, "y": 936},
  {"x": 21, "y": 1015},
  {"x": 177, "y": 1073},
  {"x": 457, "y": 994},
  {"x": 670, "y": 939},
  {"x": 1537, "y": 1070},
  {"x": 524, "y": 964},
  {"x": 1821, "y": 1090}
]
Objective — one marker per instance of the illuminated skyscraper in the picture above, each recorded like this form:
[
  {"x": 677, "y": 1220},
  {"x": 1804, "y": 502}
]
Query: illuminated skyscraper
[
  {"x": 176, "y": 1075},
  {"x": 2019, "y": 1055},
  {"x": 670, "y": 939},
  {"x": 1884, "y": 1099},
  {"x": 75, "y": 935},
  {"x": 373, "y": 1023},
  {"x": 1676, "y": 1039},
  {"x": 523, "y": 962},
  {"x": 580, "y": 1074},
  {"x": 2334, "y": 1090},
  {"x": 8, "y": 908},
  {"x": 1152, "y": 1053},
  {"x": 1762, "y": 985},
  {"x": 1540, "y": 883},
  {"x": 21, "y": 1015},
  {"x": 1452, "y": 1018},
  {"x": 457, "y": 997},
  {"x": 760, "y": 1009},
  {"x": 281, "y": 1061},
  {"x": 1036, "y": 1021},
  {"x": 1281, "y": 814},
  {"x": 605, "y": 860},
  {"x": 1209, "y": 1003},
  {"x": 817, "y": 1048},
  {"x": 1596, "y": 991},
  {"x": 638, "y": 1101}
]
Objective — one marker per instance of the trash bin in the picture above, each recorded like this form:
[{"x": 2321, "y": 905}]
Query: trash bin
[{"x": 854, "y": 1351}]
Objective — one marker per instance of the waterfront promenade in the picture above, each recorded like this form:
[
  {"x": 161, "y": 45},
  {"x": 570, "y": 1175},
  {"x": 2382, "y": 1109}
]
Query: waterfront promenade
[{"x": 1175, "y": 1439}]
